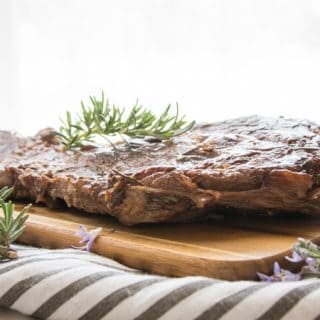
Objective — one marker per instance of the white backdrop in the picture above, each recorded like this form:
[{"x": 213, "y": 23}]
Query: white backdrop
[{"x": 218, "y": 59}]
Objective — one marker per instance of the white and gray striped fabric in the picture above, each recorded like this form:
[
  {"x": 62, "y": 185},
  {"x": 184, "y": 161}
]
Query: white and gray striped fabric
[{"x": 71, "y": 284}]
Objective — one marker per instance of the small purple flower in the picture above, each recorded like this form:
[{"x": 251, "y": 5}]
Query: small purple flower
[
  {"x": 302, "y": 251},
  {"x": 279, "y": 275},
  {"x": 264, "y": 277},
  {"x": 295, "y": 257},
  {"x": 307, "y": 251},
  {"x": 276, "y": 268},
  {"x": 290, "y": 276},
  {"x": 313, "y": 265},
  {"x": 88, "y": 237}
]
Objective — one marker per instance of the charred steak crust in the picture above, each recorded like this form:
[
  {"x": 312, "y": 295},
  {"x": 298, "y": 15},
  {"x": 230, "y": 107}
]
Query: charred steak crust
[{"x": 248, "y": 163}]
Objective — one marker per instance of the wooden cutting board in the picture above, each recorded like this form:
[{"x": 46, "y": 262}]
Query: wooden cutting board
[{"x": 233, "y": 248}]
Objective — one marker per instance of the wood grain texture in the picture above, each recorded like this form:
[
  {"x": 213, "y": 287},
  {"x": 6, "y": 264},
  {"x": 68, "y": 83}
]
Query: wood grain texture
[{"x": 232, "y": 248}]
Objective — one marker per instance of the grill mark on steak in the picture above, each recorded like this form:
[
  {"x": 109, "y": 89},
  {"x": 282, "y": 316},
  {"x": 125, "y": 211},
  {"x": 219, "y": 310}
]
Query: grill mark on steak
[{"x": 249, "y": 163}]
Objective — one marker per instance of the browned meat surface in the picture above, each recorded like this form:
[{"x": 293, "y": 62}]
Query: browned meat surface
[{"x": 250, "y": 163}]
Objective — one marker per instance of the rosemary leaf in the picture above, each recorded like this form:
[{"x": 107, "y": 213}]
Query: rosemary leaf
[{"x": 5, "y": 192}]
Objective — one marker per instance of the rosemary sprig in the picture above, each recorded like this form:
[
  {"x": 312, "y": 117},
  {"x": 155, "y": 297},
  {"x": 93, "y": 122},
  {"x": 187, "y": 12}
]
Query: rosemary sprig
[
  {"x": 303, "y": 251},
  {"x": 103, "y": 119},
  {"x": 10, "y": 228}
]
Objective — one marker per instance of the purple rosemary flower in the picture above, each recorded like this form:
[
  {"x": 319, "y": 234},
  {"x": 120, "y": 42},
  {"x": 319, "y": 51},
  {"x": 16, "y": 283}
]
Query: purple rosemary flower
[
  {"x": 88, "y": 237},
  {"x": 279, "y": 275},
  {"x": 295, "y": 257},
  {"x": 313, "y": 265},
  {"x": 305, "y": 250},
  {"x": 302, "y": 251}
]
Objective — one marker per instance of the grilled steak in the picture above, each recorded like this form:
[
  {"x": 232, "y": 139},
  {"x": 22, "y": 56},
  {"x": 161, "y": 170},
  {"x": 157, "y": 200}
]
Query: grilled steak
[{"x": 250, "y": 163}]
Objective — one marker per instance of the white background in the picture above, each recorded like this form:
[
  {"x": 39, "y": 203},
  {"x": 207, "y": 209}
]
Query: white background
[{"x": 218, "y": 59}]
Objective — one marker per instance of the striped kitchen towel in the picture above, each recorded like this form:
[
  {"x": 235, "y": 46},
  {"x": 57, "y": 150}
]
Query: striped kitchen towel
[{"x": 71, "y": 284}]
